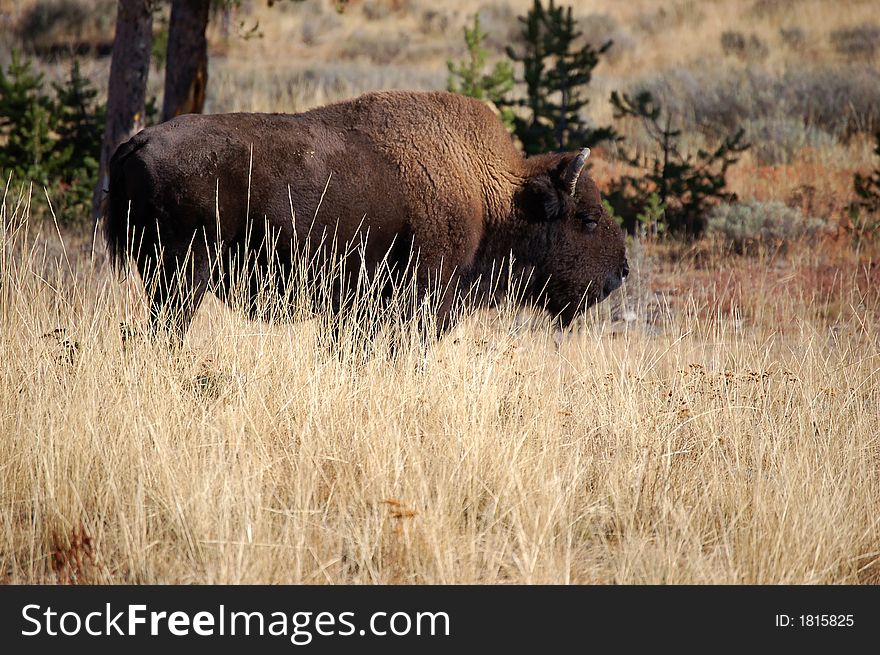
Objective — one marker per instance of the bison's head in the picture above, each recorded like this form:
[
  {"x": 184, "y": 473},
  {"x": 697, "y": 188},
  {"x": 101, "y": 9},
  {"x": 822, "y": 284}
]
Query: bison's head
[{"x": 578, "y": 251}]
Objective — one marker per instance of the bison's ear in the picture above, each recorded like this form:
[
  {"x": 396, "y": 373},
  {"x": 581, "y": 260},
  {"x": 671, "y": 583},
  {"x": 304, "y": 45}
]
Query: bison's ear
[{"x": 541, "y": 200}]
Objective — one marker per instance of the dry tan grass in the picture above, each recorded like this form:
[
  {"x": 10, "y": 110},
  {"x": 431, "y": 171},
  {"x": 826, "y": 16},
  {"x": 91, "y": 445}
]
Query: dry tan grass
[{"x": 732, "y": 438}]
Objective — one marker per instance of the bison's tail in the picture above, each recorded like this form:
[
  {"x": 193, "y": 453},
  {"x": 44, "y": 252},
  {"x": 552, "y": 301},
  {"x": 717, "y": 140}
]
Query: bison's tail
[{"x": 118, "y": 222}]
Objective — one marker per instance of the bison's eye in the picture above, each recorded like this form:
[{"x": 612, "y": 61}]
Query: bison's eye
[
  {"x": 589, "y": 217},
  {"x": 590, "y": 222}
]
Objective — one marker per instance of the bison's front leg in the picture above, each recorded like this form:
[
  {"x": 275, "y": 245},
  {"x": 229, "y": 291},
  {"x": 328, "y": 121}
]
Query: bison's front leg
[
  {"x": 438, "y": 293},
  {"x": 445, "y": 249}
]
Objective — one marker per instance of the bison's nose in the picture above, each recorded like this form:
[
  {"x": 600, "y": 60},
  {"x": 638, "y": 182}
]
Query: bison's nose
[
  {"x": 612, "y": 282},
  {"x": 624, "y": 270}
]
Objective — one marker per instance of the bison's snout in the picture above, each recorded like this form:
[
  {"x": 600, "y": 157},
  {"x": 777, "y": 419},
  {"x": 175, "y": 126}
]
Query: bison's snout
[{"x": 615, "y": 279}]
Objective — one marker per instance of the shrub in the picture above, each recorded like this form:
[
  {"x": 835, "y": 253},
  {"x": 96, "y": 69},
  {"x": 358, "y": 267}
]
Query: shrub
[
  {"x": 51, "y": 24},
  {"x": 53, "y": 18},
  {"x": 867, "y": 187},
  {"x": 859, "y": 41},
  {"x": 434, "y": 22},
  {"x": 733, "y": 42},
  {"x": 841, "y": 101},
  {"x": 317, "y": 23},
  {"x": 298, "y": 89},
  {"x": 793, "y": 37},
  {"x": 379, "y": 9},
  {"x": 864, "y": 211},
  {"x": 779, "y": 140},
  {"x": 379, "y": 48},
  {"x": 742, "y": 46},
  {"x": 501, "y": 25},
  {"x": 750, "y": 226},
  {"x": 670, "y": 16},
  {"x": 599, "y": 28},
  {"x": 764, "y": 9}
]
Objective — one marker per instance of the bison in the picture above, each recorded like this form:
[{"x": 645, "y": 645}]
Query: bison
[{"x": 202, "y": 201}]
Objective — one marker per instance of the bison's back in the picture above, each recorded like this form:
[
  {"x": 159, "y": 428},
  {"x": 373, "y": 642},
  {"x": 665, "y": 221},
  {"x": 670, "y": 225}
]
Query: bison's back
[
  {"x": 447, "y": 148},
  {"x": 393, "y": 162}
]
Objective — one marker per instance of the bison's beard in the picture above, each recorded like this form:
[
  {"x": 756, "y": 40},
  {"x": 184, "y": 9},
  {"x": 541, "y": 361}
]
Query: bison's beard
[{"x": 565, "y": 314}]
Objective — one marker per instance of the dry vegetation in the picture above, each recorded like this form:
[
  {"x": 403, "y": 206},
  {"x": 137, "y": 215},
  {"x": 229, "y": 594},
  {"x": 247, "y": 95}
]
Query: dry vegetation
[
  {"x": 719, "y": 422},
  {"x": 731, "y": 438}
]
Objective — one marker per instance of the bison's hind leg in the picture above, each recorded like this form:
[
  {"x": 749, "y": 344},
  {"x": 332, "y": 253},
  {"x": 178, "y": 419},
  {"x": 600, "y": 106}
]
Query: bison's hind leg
[
  {"x": 240, "y": 282},
  {"x": 175, "y": 286}
]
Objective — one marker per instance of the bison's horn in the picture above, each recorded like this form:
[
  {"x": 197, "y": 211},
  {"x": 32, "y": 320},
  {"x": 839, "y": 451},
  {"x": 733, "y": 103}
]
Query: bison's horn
[{"x": 573, "y": 172}]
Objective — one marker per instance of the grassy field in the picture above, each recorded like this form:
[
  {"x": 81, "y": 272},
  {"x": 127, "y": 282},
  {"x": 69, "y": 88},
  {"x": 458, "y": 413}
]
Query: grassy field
[
  {"x": 733, "y": 437},
  {"x": 717, "y": 421}
]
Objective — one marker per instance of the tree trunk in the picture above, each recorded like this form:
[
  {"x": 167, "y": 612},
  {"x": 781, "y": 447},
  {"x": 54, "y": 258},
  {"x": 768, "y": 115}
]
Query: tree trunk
[
  {"x": 127, "y": 90},
  {"x": 186, "y": 67}
]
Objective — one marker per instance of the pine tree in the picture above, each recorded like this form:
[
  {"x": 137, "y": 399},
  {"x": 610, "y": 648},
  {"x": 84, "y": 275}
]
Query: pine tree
[
  {"x": 78, "y": 124},
  {"x": 78, "y": 121},
  {"x": 54, "y": 142},
  {"x": 535, "y": 134},
  {"x": 685, "y": 185},
  {"x": 469, "y": 78},
  {"x": 25, "y": 122},
  {"x": 556, "y": 72}
]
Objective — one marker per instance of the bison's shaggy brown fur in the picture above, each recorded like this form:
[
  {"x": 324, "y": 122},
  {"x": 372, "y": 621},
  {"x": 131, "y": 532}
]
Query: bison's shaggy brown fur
[{"x": 431, "y": 173}]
